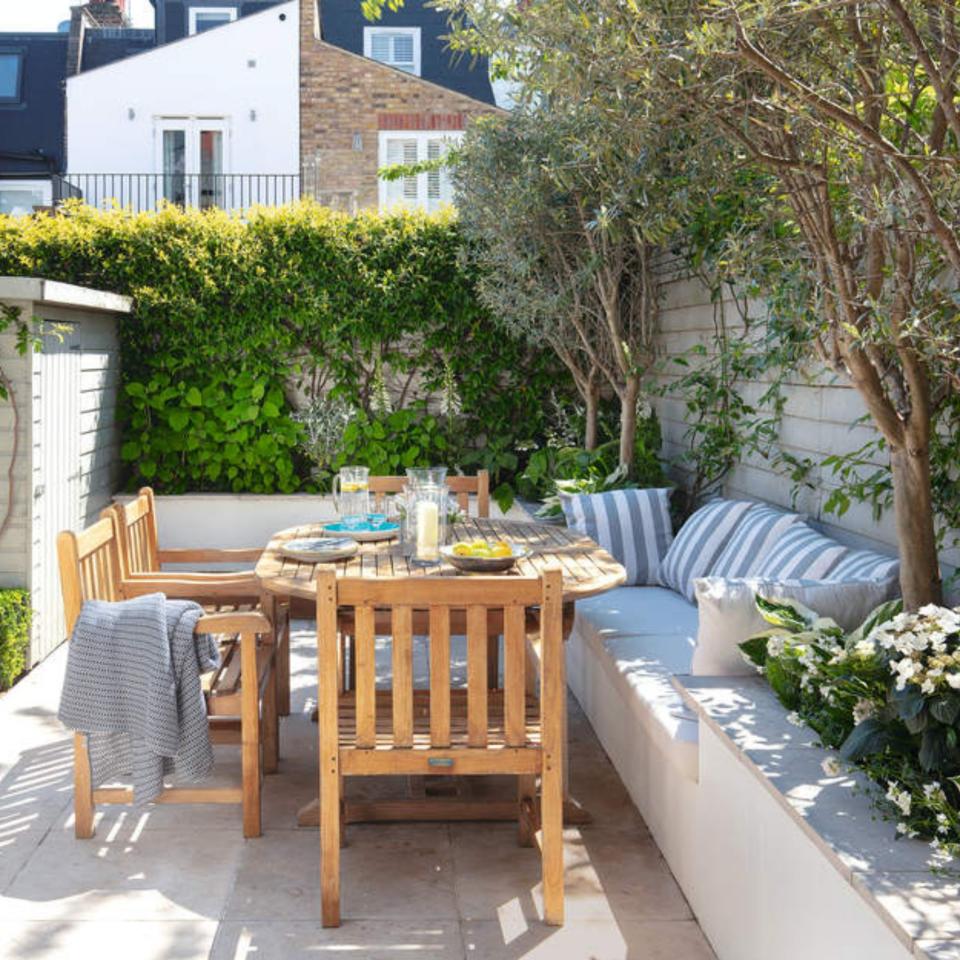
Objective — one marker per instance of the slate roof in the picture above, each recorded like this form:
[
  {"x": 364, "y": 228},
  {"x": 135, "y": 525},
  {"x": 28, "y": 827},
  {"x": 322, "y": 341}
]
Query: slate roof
[
  {"x": 343, "y": 22},
  {"x": 31, "y": 131}
]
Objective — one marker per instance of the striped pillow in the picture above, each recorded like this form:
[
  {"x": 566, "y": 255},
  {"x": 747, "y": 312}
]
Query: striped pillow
[
  {"x": 633, "y": 525},
  {"x": 801, "y": 554},
  {"x": 699, "y": 543},
  {"x": 866, "y": 565},
  {"x": 755, "y": 536}
]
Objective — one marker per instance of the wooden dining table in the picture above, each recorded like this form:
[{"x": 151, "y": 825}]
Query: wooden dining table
[{"x": 588, "y": 570}]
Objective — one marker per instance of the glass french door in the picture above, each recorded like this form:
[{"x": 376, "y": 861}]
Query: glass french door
[{"x": 192, "y": 159}]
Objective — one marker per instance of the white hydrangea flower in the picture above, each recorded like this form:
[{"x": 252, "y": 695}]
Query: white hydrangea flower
[
  {"x": 928, "y": 686},
  {"x": 954, "y": 680},
  {"x": 931, "y": 789},
  {"x": 775, "y": 646},
  {"x": 794, "y": 718},
  {"x": 943, "y": 823},
  {"x": 899, "y": 797},
  {"x": 865, "y": 648}
]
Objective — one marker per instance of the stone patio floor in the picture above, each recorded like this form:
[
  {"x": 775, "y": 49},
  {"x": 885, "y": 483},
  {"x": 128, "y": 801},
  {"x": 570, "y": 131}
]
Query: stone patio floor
[{"x": 180, "y": 882}]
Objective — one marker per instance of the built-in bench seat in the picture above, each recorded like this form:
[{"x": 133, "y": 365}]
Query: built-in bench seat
[
  {"x": 641, "y": 637},
  {"x": 628, "y": 645}
]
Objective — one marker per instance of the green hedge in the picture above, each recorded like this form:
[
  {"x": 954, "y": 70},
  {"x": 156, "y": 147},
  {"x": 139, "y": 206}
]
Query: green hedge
[
  {"x": 231, "y": 316},
  {"x": 15, "y": 617}
]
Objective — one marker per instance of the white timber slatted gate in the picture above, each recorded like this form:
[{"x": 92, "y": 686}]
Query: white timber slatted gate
[{"x": 68, "y": 459}]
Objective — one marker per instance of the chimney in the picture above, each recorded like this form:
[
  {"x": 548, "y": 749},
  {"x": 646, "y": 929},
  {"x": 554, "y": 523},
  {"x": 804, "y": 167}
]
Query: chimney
[
  {"x": 108, "y": 13},
  {"x": 96, "y": 13}
]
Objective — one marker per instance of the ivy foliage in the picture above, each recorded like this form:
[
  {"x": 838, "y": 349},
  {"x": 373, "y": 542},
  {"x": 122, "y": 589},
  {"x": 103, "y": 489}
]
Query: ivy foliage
[{"x": 238, "y": 323}]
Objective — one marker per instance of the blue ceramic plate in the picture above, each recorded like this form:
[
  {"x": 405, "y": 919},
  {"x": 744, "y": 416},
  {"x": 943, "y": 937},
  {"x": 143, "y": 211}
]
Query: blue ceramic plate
[{"x": 364, "y": 533}]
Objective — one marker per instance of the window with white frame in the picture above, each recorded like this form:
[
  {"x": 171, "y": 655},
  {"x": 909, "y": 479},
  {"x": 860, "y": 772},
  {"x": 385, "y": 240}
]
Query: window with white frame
[
  {"x": 19, "y": 198},
  {"x": 206, "y": 18},
  {"x": 395, "y": 46},
  {"x": 426, "y": 191}
]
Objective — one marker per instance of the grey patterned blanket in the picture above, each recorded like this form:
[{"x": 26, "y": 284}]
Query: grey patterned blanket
[{"x": 133, "y": 686}]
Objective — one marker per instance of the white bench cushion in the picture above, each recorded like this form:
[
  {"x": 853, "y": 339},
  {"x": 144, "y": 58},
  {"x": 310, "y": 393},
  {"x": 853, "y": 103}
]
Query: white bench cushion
[{"x": 642, "y": 636}]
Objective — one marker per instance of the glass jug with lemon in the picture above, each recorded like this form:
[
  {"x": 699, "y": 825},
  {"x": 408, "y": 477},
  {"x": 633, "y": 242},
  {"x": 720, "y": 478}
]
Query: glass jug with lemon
[{"x": 351, "y": 492}]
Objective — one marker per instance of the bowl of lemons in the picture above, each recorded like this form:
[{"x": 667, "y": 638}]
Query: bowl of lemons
[{"x": 484, "y": 556}]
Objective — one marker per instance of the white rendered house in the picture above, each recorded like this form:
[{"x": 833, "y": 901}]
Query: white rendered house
[{"x": 209, "y": 120}]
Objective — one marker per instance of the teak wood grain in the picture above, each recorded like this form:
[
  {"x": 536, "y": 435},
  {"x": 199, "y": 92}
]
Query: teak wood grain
[
  {"x": 587, "y": 569},
  {"x": 477, "y": 731},
  {"x": 241, "y": 696}
]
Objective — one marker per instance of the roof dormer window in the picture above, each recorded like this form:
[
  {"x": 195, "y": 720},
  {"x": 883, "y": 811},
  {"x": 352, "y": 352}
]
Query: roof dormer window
[
  {"x": 206, "y": 18},
  {"x": 395, "y": 46},
  {"x": 11, "y": 71}
]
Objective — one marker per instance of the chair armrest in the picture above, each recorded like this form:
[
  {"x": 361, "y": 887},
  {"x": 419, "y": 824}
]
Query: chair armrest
[
  {"x": 175, "y": 589},
  {"x": 246, "y": 624},
  {"x": 240, "y": 577},
  {"x": 226, "y": 555}
]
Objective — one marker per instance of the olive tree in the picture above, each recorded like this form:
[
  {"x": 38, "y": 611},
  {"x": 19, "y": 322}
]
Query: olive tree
[
  {"x": 852, "y": 107},
  {"x": 561, "y": 261}
]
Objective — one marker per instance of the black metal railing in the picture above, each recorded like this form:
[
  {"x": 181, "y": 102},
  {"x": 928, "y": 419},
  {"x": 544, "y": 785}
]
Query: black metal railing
[{"x": 147, "y": 191}]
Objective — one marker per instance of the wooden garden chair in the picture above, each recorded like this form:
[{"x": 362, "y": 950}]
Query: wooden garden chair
[
  {"x": 462, "y": 487},
  {"x": 472, "y": 731},
  {"x": 142, "y": 557},
  {"x": 241, "y": 695}
]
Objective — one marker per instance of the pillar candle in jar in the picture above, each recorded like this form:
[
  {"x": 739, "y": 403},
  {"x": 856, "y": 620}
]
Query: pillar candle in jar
[{"x": 428, "y": 529}]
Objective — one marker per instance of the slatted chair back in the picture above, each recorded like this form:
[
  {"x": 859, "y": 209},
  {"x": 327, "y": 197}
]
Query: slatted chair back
[
  {"x": 441, "y": 729},
  {"x": 461, "y": 487},
  {"x": 89, "y": 567},
  {"x": 137, "y": 533}
]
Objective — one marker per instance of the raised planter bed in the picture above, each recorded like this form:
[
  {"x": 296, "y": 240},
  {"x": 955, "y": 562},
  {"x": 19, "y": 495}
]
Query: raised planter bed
[{"x": 794, "y": 863}]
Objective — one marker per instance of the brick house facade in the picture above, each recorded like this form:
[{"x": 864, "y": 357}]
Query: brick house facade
[{"x": 349, "y": 102}]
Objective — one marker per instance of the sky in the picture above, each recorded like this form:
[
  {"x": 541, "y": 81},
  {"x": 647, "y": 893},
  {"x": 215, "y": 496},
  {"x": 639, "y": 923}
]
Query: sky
[{"x": 45, "y": 15}]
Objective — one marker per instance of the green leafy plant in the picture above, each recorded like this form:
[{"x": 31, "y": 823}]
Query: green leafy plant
[
  {"x": 887, "y": 696},
  {"x": 389, "y": 444},
  {"x": 15, "y": 618},
  {"x": 226, "y": 432},
  {"x": 553, "y": 472}
]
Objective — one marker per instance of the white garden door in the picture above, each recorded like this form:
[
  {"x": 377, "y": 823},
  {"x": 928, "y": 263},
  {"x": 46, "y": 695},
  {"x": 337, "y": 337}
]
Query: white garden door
[
  {"x": 57, "y": 473},
  {"x": 192, "y": 155}
]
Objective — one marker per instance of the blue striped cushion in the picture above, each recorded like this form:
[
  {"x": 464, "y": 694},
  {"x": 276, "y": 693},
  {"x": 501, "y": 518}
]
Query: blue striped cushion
[
  {"x": 699, "y": 543},
  {"x": 866, "y": 565},
  {"x": 801, "y": 554},
  {"x": 755, "y": 536},
  {"x": 633, "y": 525}
]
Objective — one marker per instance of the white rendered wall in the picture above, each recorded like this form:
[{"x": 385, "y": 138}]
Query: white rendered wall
[{"x": 205, "y": 76}]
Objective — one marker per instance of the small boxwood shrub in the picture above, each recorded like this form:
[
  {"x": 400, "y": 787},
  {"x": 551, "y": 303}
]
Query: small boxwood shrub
[{"x": 15, "y": 618}]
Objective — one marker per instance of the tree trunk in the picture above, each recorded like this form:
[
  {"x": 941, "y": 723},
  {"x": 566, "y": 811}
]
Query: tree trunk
[
  {"x": 913, "y": 505},
  {"x": 629, "y": 394},
  {"x": 592, "y": 400}
]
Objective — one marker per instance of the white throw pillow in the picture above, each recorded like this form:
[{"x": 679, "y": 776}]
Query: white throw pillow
[{"x": 729, "y": 615}]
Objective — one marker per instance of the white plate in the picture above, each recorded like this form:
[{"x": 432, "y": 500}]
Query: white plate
[{"x": 319, "y": 549}]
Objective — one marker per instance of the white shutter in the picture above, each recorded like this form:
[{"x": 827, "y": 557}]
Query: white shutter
[
  {"x": 402, "y": 50},
  {"x": 410, "y": 183},
  {"x": 380, "y": 47},
  {"x": 434, "y": 151},
  {"x": 404, "y": 190}
]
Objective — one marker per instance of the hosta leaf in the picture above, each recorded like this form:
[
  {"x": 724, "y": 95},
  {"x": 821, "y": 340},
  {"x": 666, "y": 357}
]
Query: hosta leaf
[{"x": 866, "y": 738}]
